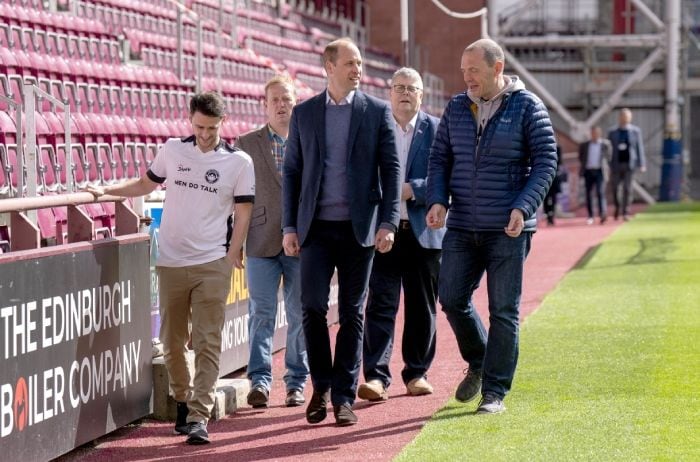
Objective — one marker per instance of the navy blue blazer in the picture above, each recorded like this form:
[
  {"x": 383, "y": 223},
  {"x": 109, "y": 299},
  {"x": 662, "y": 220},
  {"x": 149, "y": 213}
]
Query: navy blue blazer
[
  {"x": 416, "y": 175},
  {"x": 636, "y": 148},
  {"x": 373, "y": 167}
]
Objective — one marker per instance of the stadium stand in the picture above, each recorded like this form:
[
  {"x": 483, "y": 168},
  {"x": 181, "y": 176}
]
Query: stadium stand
[{"x": 127, "y": 79}]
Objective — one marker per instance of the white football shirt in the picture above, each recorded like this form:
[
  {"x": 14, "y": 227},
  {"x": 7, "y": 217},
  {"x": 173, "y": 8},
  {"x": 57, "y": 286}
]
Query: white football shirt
[{"x": 201, "y": 190}]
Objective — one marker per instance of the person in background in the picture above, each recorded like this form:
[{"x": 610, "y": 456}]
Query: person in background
[
  {"x": 492, "y": 162},
  {"x": 199, "y": 244},
  {"x": 340, "y": 190},
  {"x": 413, "y": 263},
  {"x": 549, "y": 205},
  {"x": 594, "y": 156},
  {"x": 267, "y": 265},
  {"x": 627, "y": 158}
]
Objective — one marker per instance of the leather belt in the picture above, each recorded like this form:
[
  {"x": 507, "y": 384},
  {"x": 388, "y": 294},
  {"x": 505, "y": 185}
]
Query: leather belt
[{"x": 404, "y": 224}]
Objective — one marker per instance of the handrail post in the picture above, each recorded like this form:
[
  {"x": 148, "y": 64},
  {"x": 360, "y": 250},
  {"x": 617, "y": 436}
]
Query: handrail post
[
  {"x": 200, "y": 52},
  {"x": 180, "y": 29}
]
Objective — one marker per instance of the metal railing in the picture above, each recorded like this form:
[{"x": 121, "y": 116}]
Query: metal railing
[
  {"x": 25, "y": 234},
  {"x": 32, "y": 93}
]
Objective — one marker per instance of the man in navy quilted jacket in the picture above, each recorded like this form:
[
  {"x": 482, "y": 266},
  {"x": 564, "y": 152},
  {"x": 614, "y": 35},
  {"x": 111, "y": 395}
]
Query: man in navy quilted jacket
[{"x": 491, "y": 164}]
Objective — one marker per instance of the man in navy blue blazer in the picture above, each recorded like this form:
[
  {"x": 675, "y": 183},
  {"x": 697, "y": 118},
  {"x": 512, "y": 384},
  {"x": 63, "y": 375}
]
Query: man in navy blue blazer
[
  {"x": 627, "y": 157},
  {"x": 414, "y": 261},
  {"x": 340, "y": 193}
]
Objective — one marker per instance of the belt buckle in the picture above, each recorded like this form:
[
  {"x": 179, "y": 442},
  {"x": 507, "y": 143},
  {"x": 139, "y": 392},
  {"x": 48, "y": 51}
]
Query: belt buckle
[{"x": 404, "y": 224}]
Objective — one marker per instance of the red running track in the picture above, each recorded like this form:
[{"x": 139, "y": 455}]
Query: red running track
[{"x": 280, "y": 433}]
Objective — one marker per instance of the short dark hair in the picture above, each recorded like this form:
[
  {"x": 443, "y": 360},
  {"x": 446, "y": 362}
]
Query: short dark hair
[
  {"x": 209, "y": 103},
  {"x": 330, "y": 53},
  {"x": 492, "y": 51}
]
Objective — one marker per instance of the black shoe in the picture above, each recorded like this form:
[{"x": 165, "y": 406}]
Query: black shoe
[
  {"x": 490, "y": 404},
  {"x": 258, "y": 396},
  {"x": 181, "y": 425},
  {"x": 316, "y": 410},
  {"x": 198, "y": 433},
  {"x": 294, "y": 398},
  {"x": 469, "y": 388},
  {"x": 344, "y": 415}
]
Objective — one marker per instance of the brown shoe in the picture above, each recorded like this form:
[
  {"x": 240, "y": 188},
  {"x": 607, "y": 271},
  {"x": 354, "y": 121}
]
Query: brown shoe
[
  {"x": 316, "y": 410},
  {"x": 344, "y": 415},
  {"x": 258, "y": 397},
  {"x": 418, "y": 387},
  {"x": 294, "y": 398},
  {"x": 373, "y": 391}
]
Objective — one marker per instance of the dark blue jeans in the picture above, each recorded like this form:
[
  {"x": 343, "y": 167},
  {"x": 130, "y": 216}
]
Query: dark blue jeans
[
  {"x": 331, "y": 245},
  {"x": 466, "y": 256},
  {"x": 594, "y": 181}
]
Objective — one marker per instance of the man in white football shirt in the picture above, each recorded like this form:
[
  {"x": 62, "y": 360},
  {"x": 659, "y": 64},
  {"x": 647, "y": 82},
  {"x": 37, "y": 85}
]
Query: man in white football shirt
[{"x": 199, "y": 243}]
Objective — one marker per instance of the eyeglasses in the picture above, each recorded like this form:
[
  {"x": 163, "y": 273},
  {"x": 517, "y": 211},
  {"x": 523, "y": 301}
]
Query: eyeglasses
[{"x": 402, "y": 89}]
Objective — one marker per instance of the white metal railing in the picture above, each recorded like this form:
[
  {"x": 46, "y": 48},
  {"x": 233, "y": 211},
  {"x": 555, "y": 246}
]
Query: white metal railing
[{"x": 31, "y": 94}]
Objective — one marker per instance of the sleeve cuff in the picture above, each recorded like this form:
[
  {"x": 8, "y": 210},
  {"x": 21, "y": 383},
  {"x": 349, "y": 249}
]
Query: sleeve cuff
[
  {"x": 243, "y": 199},
  {"x": 388, "y": 226},
  {"x": 154, "y": 178}
]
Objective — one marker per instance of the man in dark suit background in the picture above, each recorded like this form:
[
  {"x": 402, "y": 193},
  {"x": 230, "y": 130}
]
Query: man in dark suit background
[
  {"x": 414, "y": 261},
  {"x": 340, "y": 190},
  {"x": 267, "y": 264},
  {"x": 627, "y": 157},
  {"x": 594, "y": 156}
]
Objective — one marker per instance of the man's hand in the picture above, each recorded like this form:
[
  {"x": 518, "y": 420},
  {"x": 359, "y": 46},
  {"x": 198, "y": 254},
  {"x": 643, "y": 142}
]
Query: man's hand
[
  {"x": 290, "y": 243},
  {"x": 406, "y": 191},
  {"x": 96, "y": 191},
  {"x": 235, "y": 258},
  {"x": 516, "y": 223},
  {"x": 435, "y": 218},
  {"x": 384, "y": 240}
]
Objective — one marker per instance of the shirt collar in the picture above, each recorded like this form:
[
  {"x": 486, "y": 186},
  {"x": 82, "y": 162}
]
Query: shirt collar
[
  {"x": 347, "y": 100},
  {"x": 271, "y": 131},
  {"x": 409, "y": 126}
]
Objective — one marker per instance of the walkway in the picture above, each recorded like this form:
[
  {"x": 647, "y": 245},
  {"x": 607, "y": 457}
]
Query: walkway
[{"x": 280, "y": 433}]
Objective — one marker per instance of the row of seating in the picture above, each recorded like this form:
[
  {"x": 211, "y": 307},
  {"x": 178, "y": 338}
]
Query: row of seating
[
  {"x": 230, "y": 69},
  {"x": 115, "y": 18},
  {"x": 28, "y": 39},
  {"x": 250, "y": 19},
  {"x": 34, "y": 66},
  {"x": 228, "y": 49},
  {"x": 49, "y": 21}
]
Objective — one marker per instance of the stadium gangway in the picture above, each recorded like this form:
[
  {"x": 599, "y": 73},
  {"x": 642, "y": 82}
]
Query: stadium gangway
[
  {"x": 31, "y": 94},
  {"x": 25, "y": 234}
]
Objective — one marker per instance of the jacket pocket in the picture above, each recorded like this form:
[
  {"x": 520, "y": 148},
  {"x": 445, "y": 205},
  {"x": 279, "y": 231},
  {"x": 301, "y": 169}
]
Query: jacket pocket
[
  {"x": 258, "y": 217},
  {"x": 374, "y": 195},
  {"x": 517, "y": 176}
]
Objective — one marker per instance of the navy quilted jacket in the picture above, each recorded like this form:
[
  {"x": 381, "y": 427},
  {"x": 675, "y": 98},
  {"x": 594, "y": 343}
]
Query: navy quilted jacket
[{"x": 511, "y": 168}]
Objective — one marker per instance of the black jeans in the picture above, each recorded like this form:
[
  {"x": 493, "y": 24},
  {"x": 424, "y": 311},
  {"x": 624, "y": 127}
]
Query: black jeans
[
  {"x": 416, "y": 269},
  {"x": 594, "y": 180},
  {"x": 622, "y": 176},
  {"x": 331, "y": 245}
]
